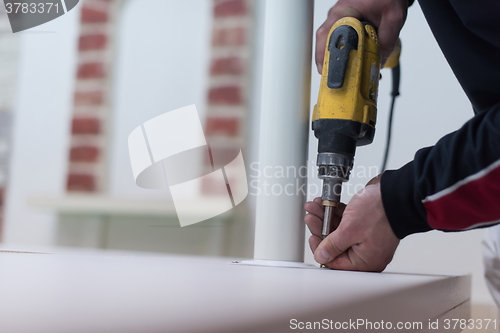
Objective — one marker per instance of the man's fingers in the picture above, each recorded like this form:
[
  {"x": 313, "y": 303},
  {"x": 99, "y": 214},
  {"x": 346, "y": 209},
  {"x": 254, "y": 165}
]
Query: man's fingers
[
  {"x": 321, "y": 36},
  {"x": 339, "y": 210},
  {"x": 329, "y": 249},
  {"x": 314, "y": 220},
  {"x": 335, "y": 244},
  {"x": 350, "y": 261},
  {"x": 386, "y": 47},
  {"x": 314, "y": 241},
  {"x": 388, "y": 32},
  {"x": 343, "y": 262},
  {"x": 315, "y": 208},
  {"x": 374, "y": 180},
  {"x": 319, "y": 209},
  {"x": 387, "y": 16},
  {"x": 314, "y": 224}
]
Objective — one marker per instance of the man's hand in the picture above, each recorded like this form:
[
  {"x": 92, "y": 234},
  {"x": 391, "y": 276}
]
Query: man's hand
[
  {"x": 388, "y": 16},
  {"x": 364, "y": 240}
]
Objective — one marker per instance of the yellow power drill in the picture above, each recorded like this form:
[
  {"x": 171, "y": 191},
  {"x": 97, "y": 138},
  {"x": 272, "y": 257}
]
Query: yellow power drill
[{"x": 346, "y": 112}]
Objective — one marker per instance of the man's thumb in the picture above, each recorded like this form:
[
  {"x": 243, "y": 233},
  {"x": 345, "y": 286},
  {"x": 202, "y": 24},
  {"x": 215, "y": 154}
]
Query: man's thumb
[{"x": 331, "y": 247}]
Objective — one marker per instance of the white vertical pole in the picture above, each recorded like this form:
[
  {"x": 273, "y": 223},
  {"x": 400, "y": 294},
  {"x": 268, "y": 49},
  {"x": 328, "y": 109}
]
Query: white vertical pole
[{"x": 284, "y": 116}]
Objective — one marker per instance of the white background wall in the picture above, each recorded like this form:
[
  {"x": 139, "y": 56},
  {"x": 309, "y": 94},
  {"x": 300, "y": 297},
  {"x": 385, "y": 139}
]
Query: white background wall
[
  {"x": 162, "y": 64},
  {"x": 431, "y": 105},
  {"x": 41, "y": 126}
]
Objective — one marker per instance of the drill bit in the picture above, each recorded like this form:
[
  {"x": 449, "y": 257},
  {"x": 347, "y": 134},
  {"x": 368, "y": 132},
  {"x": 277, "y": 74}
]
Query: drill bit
[
  {"x": 327, "y": 221},
  {"x": 328, "y": 218}
]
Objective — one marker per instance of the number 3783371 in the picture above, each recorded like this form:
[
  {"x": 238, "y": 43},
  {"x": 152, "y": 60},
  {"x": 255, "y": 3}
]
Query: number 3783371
[{"x": 34, "y": 7}]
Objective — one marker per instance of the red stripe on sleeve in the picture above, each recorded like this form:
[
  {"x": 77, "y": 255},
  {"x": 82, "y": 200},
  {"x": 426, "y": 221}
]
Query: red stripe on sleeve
[{"x": 474, "y": 203}]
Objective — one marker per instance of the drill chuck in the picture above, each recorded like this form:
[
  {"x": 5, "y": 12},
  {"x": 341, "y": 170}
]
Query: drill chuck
[
  {"x": 333, "y": 169},
  {"x": 331, "y": 190}
]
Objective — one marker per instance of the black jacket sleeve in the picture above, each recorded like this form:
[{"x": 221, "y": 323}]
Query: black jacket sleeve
[{"x": 455, "y": 185}]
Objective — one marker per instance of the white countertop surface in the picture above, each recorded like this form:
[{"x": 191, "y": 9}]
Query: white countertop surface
[{"x": 96, "y": 292}]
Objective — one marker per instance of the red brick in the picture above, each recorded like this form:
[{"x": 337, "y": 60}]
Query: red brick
[
  {"x": 89, "y": 97},
  {"x": 232, "y": 65},
  {"x": 93, "y": 42},
  {"x": 85, "y": 126},
  {"x": 91, "y": 70},
  {"x": 84, "y": 154},
  {"x": 230, "y": 8},
  {"x": 81, "y": 182},
  {"x": 93, "y": 15},
  {"x": 229, "y": 95},
  {"x": 221, "y": 156},
  {"x": 229, "y": 37},
  {"x": 222, "y": 126}
]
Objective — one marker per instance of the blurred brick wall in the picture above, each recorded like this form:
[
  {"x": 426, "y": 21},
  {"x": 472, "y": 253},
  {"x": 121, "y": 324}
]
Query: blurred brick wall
[
  {"x": 228, "y": 81},
  {"x": 91, "y": 109},
  {"x": 226, "y": 94},
  {"x": 9, "y": 54}
]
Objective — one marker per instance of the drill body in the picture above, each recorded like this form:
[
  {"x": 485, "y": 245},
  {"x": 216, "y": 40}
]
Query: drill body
[{"x": 345, "y": 114}]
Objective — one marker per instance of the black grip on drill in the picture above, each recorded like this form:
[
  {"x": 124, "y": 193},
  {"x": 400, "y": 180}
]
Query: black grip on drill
[
  {"x": 343, "y": 40},
  {"x": 341, "y": 136}
]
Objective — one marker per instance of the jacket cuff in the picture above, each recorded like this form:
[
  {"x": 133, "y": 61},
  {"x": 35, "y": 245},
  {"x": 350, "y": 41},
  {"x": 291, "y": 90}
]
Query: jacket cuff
[{"x": 404, "y": 210}]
